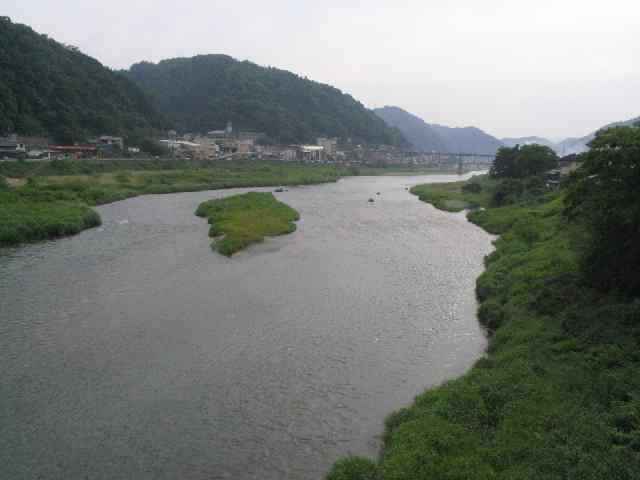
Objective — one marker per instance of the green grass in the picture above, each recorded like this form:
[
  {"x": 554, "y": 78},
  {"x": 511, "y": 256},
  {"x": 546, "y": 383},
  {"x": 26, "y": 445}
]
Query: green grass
[
  {"x": 451, "y": 198},
  {"x": 52, "y": 198},
  {"x": 558, "y": 394},
  {"x": 25, "y": 220},
  {"x": 242, "y": 220}
]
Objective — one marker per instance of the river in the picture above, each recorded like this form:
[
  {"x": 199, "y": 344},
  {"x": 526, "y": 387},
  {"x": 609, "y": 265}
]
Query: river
[{"x": 134, "y": 351}]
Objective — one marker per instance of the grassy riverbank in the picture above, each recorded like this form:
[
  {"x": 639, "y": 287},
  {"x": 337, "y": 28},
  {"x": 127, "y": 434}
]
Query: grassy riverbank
[
  {"x": 51, "y": 199},
  {"x": 558, "y": 394},
  {"x": 242, "y": 220}
]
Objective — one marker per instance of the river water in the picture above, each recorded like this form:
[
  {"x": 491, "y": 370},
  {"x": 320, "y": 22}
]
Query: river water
[{"x": 134, "y": 351}]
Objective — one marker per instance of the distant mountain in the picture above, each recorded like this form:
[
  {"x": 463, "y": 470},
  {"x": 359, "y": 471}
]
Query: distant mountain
[
  {"x": 512, "y": 142},
  {"x": 202, "y": 93},
  {"x": 433, "y": 137},
  {"x": 579, "y": 145},
  {"x": 50, "y": 89}
]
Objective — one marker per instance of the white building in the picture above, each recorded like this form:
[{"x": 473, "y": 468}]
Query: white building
[{"x": 330, "y": 145}]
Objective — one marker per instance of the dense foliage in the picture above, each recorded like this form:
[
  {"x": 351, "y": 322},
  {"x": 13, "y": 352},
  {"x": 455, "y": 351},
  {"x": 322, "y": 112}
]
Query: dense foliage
[
  {"x": 523, "y": 161},
  {"x": 49, "y": 89},
  {"x": 242, "y": 220},
  {"x": 429, "y": 137},
  {"x": 604, "y": 194},
  {"x": 558, "y": 394},
  {"x": 204, "y": 92}
]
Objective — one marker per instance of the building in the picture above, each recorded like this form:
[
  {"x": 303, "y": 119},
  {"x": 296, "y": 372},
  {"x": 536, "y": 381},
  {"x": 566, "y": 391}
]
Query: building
[
  {"x": 205, "y": 150},
  {"x": 310, "y": 153},
  {"x": 10, "y": 147},
  {"x": 73, "y": 151},
  {"x": 108, "y": 140},
  {"x": 330, "y": 145}
]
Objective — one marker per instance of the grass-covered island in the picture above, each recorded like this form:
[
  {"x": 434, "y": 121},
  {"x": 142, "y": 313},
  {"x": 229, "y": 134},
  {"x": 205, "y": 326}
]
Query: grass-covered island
[
  {"x": 241, "y": 220},
  {"x": 43, "y": 200},
  {"x": 557, "y": 395}
]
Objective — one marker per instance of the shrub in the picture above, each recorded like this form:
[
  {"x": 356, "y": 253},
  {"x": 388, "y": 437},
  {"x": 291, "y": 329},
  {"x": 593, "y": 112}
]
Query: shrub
[
  {"x": 354, "y": 468},
  {"x": 472, "y": 187}
]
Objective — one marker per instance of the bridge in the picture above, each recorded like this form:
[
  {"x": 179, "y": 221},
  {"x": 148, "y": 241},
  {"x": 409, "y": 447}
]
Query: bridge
[{"x": 464, "y": 161}]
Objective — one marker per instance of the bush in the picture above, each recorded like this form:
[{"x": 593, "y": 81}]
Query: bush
[
  {"x": 492, "y": 314},
  {"x": 507, "y": 191},
  {"x": 472, "y": 187},
  {"x": 354, "y": 468}
]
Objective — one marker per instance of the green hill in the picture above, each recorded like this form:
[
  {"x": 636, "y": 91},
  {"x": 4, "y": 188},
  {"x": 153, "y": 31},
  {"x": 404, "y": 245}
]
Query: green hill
[
  {"x": 202, "y": 93},
  {"x": 51, "y": 89}
]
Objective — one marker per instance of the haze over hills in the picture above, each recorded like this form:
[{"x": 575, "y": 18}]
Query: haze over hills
[
  {"x": 202, "y": 93},
  {"x": 579, "y": 145},
  {"x": 513, "y": 141},
  {"x": 433, "y": 137},
  {"x": 49, "y": 89},
  {"x": 568, "y": 145}
]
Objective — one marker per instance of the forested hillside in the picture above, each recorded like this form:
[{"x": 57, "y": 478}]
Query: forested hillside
[
  {"x": 428, "y": 137},
  {"x": 50, "y": 89},
  {"x": 204, "y": 92}
]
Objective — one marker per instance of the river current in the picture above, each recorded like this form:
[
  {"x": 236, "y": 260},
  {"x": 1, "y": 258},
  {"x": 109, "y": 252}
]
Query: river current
[{"x": 134, "y": 351}]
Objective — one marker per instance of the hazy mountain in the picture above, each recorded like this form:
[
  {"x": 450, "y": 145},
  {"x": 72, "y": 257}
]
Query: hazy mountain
[
  {"x": 47, "y": 88},
  {"x": 512, "y": 142},
  {"x": 429, "y": 137},
  {"x": 579, "y": 145},
  {"x": 204, "y": 92}
]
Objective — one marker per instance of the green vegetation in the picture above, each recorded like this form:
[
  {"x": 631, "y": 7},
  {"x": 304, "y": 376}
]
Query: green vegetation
[
  {"x": 457, "y": 196},
  {"x": 558, "y": 394},
  {"x": 242, "y": 220},
  {"x": 52, "y": 198},
  {"x": 24, "y": 221},
  {"x": 50, "y": 89},
  {"x": 605, "y": 199},
  {"x": 202, "y": 93},
  {"x": 354, "y": 468},
  {"x": 525, "y": 161}
]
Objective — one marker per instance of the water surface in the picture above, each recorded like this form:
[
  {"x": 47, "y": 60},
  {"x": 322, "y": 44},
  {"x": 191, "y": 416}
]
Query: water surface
[{"x": 133, "y": 351}]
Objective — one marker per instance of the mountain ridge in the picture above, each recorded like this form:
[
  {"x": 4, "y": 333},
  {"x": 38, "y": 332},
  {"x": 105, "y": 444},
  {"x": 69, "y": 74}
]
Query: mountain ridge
[
  {"x": 435, "y": 137},
  {"x": 203, "y": 92}
]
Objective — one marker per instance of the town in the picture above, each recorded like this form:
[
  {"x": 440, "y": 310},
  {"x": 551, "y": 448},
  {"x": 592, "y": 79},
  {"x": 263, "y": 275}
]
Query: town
[{"x": 228, "y": 144}]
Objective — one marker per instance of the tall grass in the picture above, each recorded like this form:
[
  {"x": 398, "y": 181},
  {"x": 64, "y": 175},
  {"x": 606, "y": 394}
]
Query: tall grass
[
  {"x": 242, "y": 220},
  {"x": 23, "y": 220}
]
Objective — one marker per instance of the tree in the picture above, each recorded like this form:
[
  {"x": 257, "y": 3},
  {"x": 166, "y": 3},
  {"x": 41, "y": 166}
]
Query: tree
[
  {"x": 154, "y": 148},
  {"x": 603, "y": 195},
  {"x": 525, "y": 161}
]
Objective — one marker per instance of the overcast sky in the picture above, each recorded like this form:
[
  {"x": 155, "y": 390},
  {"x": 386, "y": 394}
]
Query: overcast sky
[{"x": 554, "y": 68}]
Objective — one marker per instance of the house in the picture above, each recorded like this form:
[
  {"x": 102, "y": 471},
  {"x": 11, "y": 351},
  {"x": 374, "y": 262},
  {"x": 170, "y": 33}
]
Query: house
[
  {"x": 330, "y": 145},
  {"x": 310, "y": 153},
  {"x": 111, "y": 141},
  {"x": 10, "y": 147},
  {"x": 74, "y": 151}
]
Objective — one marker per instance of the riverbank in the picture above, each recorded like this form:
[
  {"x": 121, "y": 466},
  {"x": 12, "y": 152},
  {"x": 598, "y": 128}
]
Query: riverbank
[
  {"x": 558, "y": 393},
  {"x": 51, "y": 199},
  {"x": 242, "y": 220}
]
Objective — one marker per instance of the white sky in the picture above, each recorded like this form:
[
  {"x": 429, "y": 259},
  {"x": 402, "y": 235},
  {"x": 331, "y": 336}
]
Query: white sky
[{"x": 513, "y": 68}]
